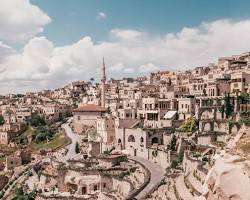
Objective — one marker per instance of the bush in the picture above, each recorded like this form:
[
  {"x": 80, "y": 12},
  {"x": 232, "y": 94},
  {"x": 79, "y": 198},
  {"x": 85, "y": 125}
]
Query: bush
[
  {"x": 36, "y": 120},
  {"x": 1, "y": 120},
  {"x": 173, "y": 143},
  {"x": 196, "y": 155},
  {"x": 190, "y": 125},
  {"x": 205, "y": 159},
  {"x": 29, "y": 173},
  {"x": 43, "y": 133},
  {"x": 174, "y": 164}
]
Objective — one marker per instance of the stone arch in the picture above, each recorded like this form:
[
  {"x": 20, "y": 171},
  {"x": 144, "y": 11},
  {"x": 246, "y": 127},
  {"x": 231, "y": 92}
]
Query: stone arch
[
  {"x": 131, "y": 138},
  {"x": 206, "y": 115}
]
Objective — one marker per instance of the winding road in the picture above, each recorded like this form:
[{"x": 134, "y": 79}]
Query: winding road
[
  {"x": 157, "y": 174},
  {"x": 71, "y": 153},
  {"x": 156, "y": 171}
]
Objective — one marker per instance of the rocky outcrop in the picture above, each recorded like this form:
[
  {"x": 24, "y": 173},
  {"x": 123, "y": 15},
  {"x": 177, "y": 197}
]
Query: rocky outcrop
[{"x": 229, "y": 178}]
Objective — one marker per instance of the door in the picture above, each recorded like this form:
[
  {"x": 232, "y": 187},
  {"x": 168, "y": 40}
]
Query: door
[{"x": 135, "y": 152}]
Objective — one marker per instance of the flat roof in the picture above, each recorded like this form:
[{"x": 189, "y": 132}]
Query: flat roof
[{"x": 90, "y": 108}]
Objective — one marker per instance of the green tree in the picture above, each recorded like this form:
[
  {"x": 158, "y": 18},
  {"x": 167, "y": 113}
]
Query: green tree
[
  {"x": 174, "y": 164},
  {"x": 36, "y": 120},
  {"x": 44, "y": 133},
  {"x": 190, "y": 125},
  {"x": 244, "y": 98},
  {"x": 181, "y": 155},
  {"x": 39, "y": 174},
  {"x": 1, "y": 120},
  {"x": 77, "y": 148},
  {"x": 228, "y": 105},
  {"x": 19, "y": 191},
  {"x": 173, "y": 143}
]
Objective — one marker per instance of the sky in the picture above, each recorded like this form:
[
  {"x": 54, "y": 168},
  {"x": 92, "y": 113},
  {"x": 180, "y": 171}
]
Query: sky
[{"x": 46, "y": 44}]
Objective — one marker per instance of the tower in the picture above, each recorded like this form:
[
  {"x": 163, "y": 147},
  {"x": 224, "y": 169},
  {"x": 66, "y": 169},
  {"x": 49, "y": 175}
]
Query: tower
[{"x": 103, "y": 79}]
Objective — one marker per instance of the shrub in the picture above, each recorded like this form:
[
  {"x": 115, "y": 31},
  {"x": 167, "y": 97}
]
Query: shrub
[
  {"x": 173, "y": 143},
  {"x": 1, "y": 195},
  {"x": 36, "y": 120},
  {"x": 44, "y": 132},
  {"x": 174, "y": 164},
  {"x": 1, "y": 120},
  {"x": 190, "y": 125},
  {"x": 205, "y": 159}
]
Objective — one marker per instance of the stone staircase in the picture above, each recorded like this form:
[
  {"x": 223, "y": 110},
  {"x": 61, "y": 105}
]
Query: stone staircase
[
  {"x": 194, "y": 185},
  {"x": 182, "y": 190}
]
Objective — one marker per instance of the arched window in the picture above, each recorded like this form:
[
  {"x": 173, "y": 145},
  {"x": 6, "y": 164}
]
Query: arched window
[
  {"x": 131, "y": 138},
  {"x": 155, "y": 140},
  {"x": 119, "y": 141},
  {"x": 142, "y": 139}
]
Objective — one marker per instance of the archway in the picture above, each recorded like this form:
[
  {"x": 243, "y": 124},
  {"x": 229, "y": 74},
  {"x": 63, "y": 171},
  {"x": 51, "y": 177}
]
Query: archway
[
  {"x": 154, "y": 140},
  {"x": 131, "y": 138}
]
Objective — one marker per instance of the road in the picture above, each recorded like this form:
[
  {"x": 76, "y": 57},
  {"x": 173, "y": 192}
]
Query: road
[
  {"x": 157, "y": 173},
  {"x": 71, "y": 154}
]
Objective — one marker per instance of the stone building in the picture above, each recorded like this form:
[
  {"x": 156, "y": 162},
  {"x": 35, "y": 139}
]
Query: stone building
[{"x": 86, "y": 116}]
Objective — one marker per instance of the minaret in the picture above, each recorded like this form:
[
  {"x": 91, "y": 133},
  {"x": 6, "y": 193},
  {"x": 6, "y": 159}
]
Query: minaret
[{"x": 103, "y": 79}]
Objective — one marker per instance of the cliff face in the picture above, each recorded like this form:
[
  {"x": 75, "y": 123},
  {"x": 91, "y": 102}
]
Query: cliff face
[{"x": 229, "y": 178}]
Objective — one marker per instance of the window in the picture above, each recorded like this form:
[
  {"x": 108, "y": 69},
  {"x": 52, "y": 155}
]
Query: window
[
  {"x": 131, "y": 138},
  {"x": 78, "y": 118},
  {"x": 142, "y": 139},
  {"x": 104, "y": 185},
  {"x": 95, "y": 187},
  {"x": 154, "y": 140}
]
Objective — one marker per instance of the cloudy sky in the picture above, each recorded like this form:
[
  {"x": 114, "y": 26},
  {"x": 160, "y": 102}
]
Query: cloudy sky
[{"x": 47, "y": 44}]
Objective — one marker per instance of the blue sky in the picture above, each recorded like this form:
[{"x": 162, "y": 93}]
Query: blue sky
[
  {"x": 73, "y": 19},
  {"x": 49, "y": 43}
]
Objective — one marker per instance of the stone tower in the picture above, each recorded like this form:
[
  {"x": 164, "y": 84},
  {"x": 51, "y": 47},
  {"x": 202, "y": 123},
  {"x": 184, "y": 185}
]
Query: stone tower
[{"x": 103, "y": 79}]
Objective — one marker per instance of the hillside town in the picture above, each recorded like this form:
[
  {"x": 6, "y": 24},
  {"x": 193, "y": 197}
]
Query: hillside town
[{"x": 168, "y": 135}]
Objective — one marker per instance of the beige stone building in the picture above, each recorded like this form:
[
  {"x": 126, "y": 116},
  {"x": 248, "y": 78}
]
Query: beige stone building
[{"x": 86, "y": 116}]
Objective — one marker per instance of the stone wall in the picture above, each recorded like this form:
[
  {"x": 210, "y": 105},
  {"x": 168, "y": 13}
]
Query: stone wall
[{"x": 123, "y": 187}]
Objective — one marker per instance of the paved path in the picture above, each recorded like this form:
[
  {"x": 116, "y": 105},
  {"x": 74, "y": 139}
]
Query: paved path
[
  {"x": 157, "y": 173},
  {"x": 71, "y": 154},
  {"x": 182, "y": 189}
]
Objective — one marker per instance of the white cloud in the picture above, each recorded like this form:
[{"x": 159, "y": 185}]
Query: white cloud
[
  {"x": 118, "y": 67},
  {"x": 20, "y": 20},
  {"x": 40, "y": 64},
  {"x": 101, "y": 15},
  {"x": 129, "y": 70},
  {"x": 126, "y": 34},
  {"x": 149, "y": 67}
]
